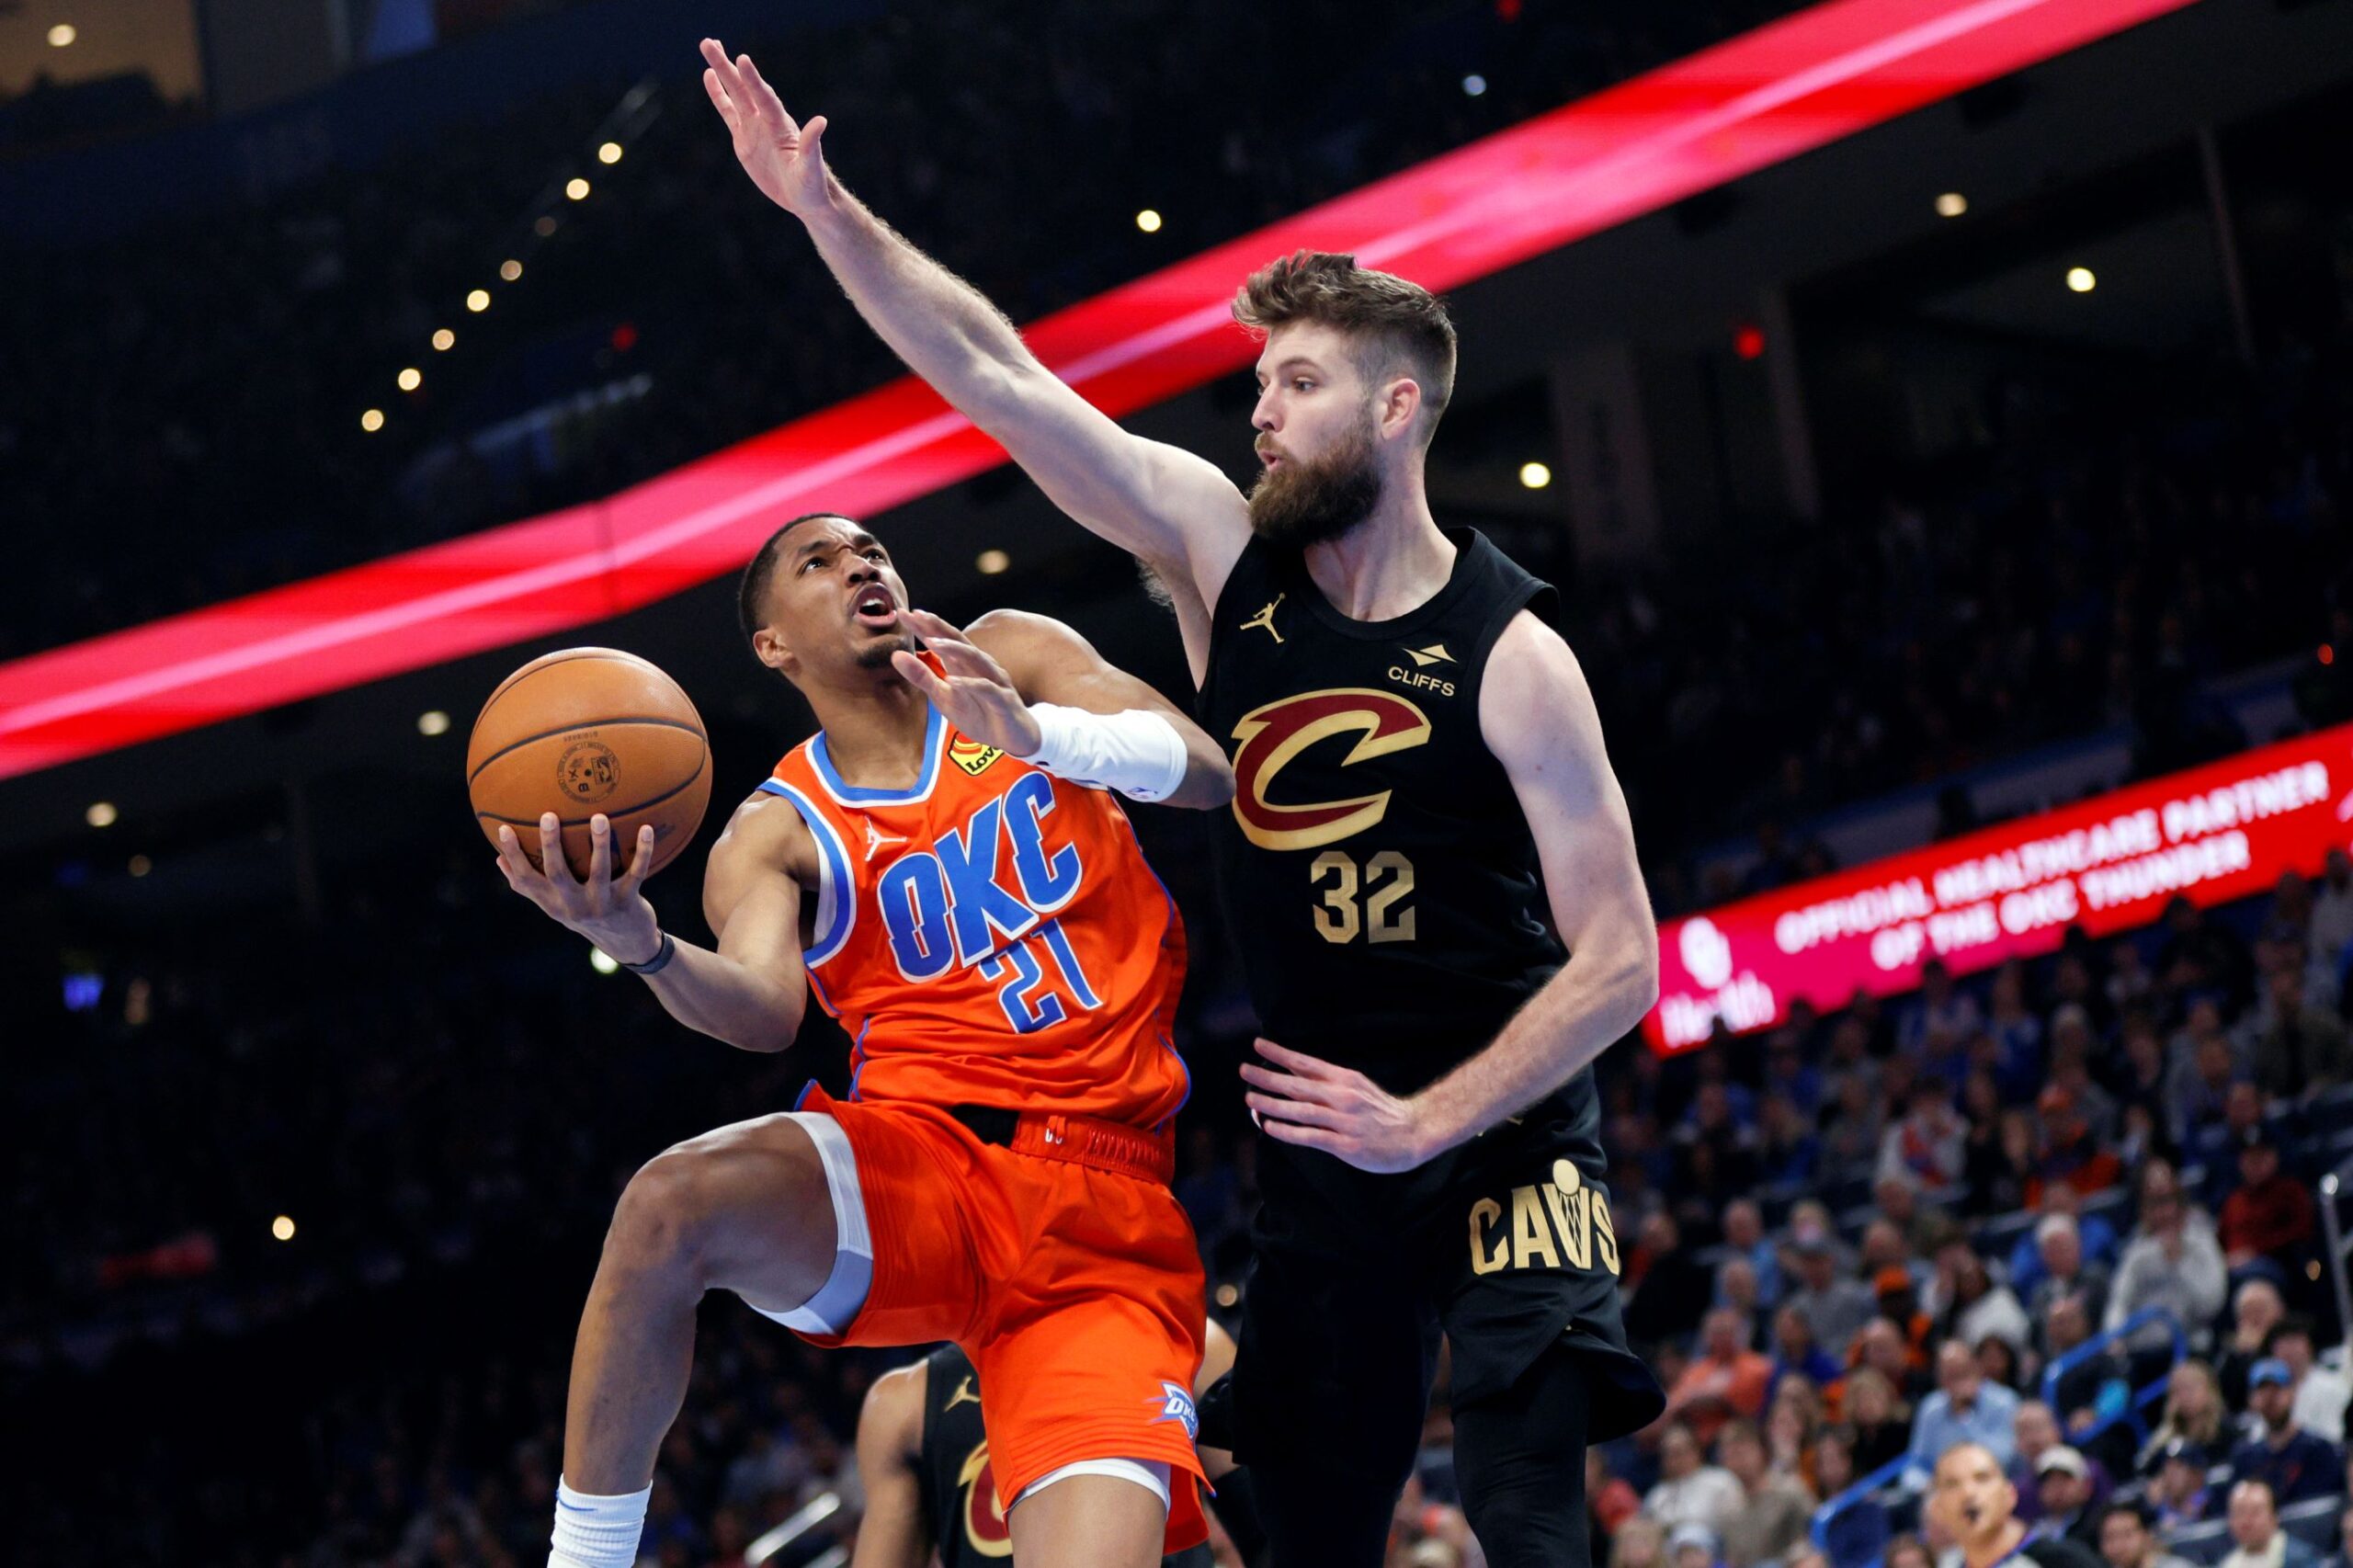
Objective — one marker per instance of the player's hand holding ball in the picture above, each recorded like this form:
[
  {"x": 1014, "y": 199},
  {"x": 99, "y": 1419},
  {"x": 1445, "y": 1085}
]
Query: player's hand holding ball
[
  {"x": 977, "y": 696},
  {"x": 610, "y": 911}
]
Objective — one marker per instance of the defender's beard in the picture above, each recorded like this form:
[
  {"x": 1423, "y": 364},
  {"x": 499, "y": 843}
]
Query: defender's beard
[{"x": 1300, "y": 503}]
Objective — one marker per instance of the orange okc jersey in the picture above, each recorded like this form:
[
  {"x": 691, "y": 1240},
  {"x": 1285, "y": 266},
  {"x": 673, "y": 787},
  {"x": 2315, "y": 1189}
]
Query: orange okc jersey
[{"x": 991, "y": 937}]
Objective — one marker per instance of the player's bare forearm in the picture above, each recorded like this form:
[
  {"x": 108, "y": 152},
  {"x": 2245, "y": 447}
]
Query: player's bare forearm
[
  {"x": 1592, "y": 1003},
  {"x": 714, "y": 995},
  {"x": 940, "y": 324}
]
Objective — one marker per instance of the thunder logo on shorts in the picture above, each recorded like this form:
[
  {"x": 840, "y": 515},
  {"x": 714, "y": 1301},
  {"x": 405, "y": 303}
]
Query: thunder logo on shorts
[{"x": 991, "y": 937}]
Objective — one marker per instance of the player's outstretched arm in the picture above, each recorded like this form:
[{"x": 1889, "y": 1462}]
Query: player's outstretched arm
[
  {"x": 1537, "y": 716},
  {"x": 893, "y": 1533},
  {"x": 752, "y": 990},
  {"x": 1031, "y": 685},
  {"x": 1169, "y": 506}
]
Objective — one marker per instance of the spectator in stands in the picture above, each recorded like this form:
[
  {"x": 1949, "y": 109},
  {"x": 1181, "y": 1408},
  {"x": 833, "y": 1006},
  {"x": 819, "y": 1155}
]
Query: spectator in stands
[
  {"x": 1940, "y": 1008},
  {"x": 1835, "y": 1308},
  {"x": 2001, "y": 1158},
  {"x": 2178, "y": 1491},
  {"x": 1858, "y": 1533},
  {"x": 1726, "y": 1379},
  {"x": 2270, "y": 1214},
  {"x": 2291, "y": 1464},
  {"x": 1880, "y": 1420},
  {"x": 2036, "y": 1431},
  {"x": 1795, "y": 1351},
  {"x": 1609, "y": 1498},
  {"x": 1968, "y": 1306},
  {"x": 2059, "y": 1247},
  {"x": 2095, "y": 1235},
  {"x": 2256, "y": 1310},
  {"x": 2063, "y": 1486},
  {"x": 1856, "y": 1128},
  {"x": 2072, "y": 1150},
  {"x": 1789, "y": 1073},
  {"x": 1640, "y": 1542},
  {"x": 1887, "y": 1350},
  {"x": 2073, "y": 1044},
  {"x": 1927, "y": 1149},
  {"x": 2255, "y": 1528},
  {"x": 2299, "y": 1049},
  {"x": 2321, "y": 1391},
  {"x": 1886, "y": 1248},
  {"x": 2216, "y": 1145},
  {"x": 1673, "y": 1288},
  {"x": 1789, "y": 1151},
  {"x": 1964, "y": 1409},
  {"x": 1910, "y": 1551},
  {"x": 2206, "y": 1063},
  {"x": 1689, "y": 1491},
  {"x": 2127, "y": 1541},
  {"x": 1774, "y": 1508},
  {"x": 2194, "y": 1413},
  {"x": 1694, "y": 1545},
  {"x": 2002, "y": 1362},
  {"x": 2014, "y": 1036},
  {"x": 1745, "y": 1237},
  {"x": 2173, "y": 1260},
  {"x": 2331, "y": 929}
]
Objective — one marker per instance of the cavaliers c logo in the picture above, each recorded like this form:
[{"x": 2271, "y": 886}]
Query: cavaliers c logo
[
  {"x": 1273, "y": 734},
  {"x": 985, "y": 1530}
]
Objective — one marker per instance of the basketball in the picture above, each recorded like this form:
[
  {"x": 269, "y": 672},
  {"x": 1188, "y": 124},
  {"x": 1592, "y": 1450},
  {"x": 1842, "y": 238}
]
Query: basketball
[{"x": 584, "y": 731}]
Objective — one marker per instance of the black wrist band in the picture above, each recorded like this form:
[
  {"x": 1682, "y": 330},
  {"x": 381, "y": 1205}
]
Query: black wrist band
[{"x": 660, "y": 961}]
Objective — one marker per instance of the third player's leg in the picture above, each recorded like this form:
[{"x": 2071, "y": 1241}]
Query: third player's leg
[
  {"x": 1519, "y": 1458},
  {"x": 743, "y": 1209}
]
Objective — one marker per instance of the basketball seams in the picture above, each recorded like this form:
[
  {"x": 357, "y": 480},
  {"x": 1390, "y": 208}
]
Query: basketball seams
[
  {"x": 552, "y": 661},
  {"x": 671, "y": 793},
  {"x": 513, "y": 746}
]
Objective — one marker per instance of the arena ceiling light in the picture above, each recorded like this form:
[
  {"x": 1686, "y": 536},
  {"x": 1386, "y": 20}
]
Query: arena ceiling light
[{"x": 1756, "y": 101}]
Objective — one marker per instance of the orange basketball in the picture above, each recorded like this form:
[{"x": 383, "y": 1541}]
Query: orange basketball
[{"x": 585, "y": 730}]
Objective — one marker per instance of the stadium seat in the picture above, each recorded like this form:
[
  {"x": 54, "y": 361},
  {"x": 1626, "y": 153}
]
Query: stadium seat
[
  {"x": 2314, "y": 1521},
  {"x": 2206, "y": 1542}
]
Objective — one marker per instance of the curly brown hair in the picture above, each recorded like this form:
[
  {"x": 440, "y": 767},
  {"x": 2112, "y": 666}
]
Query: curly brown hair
[{"x": 1398, "y": 325}]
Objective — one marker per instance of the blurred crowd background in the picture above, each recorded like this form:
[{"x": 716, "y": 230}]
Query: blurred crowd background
[{"x": 2067, "y": 1208}]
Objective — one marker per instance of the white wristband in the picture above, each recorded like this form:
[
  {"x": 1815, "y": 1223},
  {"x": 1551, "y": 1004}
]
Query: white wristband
[{"x": 1138, "y": 753}]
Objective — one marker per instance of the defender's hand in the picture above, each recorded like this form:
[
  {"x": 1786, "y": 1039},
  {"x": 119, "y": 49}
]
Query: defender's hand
[
  {"x": 611, "y": 912},
  {"x": 781, "y": 155},
  {"x": 1336, "y": 1109},
  {"x": 978, "y": 697}
]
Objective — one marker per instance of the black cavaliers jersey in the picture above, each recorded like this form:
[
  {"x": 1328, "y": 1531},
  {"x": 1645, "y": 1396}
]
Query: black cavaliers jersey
[
  {"x": 1383, "y": 884},
  {"x": 959, "y": 1498}
]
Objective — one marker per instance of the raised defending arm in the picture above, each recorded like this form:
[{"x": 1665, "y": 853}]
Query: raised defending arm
[{"x": 1175, "y": 510}]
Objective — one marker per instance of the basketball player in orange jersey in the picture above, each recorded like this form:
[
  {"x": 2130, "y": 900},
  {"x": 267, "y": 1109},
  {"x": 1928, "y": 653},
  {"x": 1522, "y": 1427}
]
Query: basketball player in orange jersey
[
  {"x": 944, "y": 865},
  {"x": 1421, "y": 781}
]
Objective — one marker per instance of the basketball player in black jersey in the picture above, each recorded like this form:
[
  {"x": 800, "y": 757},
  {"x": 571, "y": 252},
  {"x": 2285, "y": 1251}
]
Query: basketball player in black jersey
[
  {"x": 923, "y": 1462},
  {"x": 1421, "y": 781}
]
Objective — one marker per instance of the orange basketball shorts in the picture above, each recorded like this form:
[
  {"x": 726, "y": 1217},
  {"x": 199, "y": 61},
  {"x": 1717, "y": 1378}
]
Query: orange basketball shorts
[{"x": 1076, "y": 1292}]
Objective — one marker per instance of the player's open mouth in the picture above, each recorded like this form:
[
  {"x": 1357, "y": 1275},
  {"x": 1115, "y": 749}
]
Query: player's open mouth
[{"x": 874, "y": 607}]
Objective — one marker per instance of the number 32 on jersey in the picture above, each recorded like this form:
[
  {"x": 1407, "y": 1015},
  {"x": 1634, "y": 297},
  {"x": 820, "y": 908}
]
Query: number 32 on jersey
[{"x": 1367, "y": 900}]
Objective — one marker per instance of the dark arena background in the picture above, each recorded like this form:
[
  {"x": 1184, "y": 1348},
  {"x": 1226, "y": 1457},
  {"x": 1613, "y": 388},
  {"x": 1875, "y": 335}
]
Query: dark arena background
[{"x": 1938, "y": 417}]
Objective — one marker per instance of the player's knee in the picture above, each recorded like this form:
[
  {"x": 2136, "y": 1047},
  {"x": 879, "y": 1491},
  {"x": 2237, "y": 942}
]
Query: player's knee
[{"x": 666, "y": 1213}]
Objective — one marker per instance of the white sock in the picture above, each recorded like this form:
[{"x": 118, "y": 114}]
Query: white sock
[{"x": 597, "y": 1532}]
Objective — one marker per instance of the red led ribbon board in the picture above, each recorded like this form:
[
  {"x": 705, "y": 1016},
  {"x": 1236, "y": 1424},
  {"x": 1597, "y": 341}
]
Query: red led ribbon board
[
  {"x": 2108, "y": 864},
  {"x": 1767, "y": 95}
]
